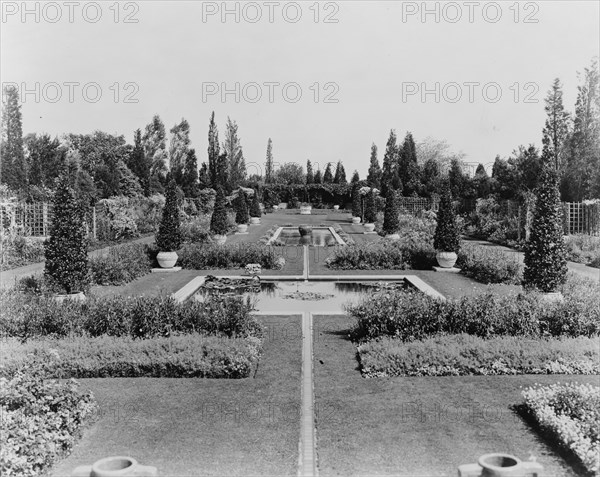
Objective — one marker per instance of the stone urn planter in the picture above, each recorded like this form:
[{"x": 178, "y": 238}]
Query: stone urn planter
[
  {"x": 242, "y": 228},
  {"x": 254, "y": 220},
  {"x": 336, "y": 207},
  {"x": 501, "y": 465},
  {"x": 118, "y": 466},
  {"x": 369, "y": 227},
  {"x": 78, "y": 296},
  {"x": 356, "y": 220},
  {"x": 305, "y": 209},
  {"x": 166, "y": 259},
  {"x": 275, "y": 207},
  {"x": 305, "y": 230},
  {"x": 220, "y": 239},
  {"x": 446, "y": 259}
]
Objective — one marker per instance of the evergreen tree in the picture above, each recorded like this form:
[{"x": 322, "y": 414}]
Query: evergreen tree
[
  {"x": 137, "y": 162},
  {"x": 446, "y": 237},
  {"x": 545, "y": 262},
  {"x": 328, "y": 176},
  {"x": 155, "y": 148},
  {"x": 370, "y": 208},
  {"x": 390, "y": 161},
  {"x": 213, "y": 153},
  {"x": 203, "y": 177},
  {"x": 408, "y": 170},
  {"x": 481, "y": 182},
  {"x": 241, "y": 208},
  {"x": 355, "y": 177},
  {"x": 66, "y": 265},
  {"x": 340, "y": 174},
  {"x": 255, "y": 206},
  {"x": 391, "y": 221},
  {"x": 269, "y": 166},
  {"x": 457, "y": 179},
  {"x": 223, "y": 172},
  {"x": 14, "y": 169},
  {"x": 318, "y": 179},
  {"x": 218, "y": 220},
  {"x": 233, "y": 148},
  {"x": 309, "y": 173},
  {"x": 556, "y": 128},
  {"x": 582, "y": 176},
  {"x": 356, "y": 201},
  {"x": 431, "y": 177},
  {"x": 374, "y": 175},
  {"x": 190, "y": 184},
  {"x": 168, "y": 238},
  {"x": 45, "y": 159}
]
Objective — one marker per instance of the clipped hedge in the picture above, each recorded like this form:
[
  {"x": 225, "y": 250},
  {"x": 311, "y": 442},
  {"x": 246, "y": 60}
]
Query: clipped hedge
[
  {"x": 41, "y": 420},
  {"x": 462, "y": 355},
  {"x": 32, "y": 316},
  {"x": 122, "y": 264},
  {"x": 213, "y": 256},
  {"x": 184, "y": 356}
]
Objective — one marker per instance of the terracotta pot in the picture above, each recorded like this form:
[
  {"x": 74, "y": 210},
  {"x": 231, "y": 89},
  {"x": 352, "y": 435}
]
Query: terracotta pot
[
  {"x": 305, "y": 230},
  {"x": 254, "y": 220},
  {"x": 220, "y": 239},
  {"x": 166, "y": 259},
  {"x": 118, "y": 466},
  {"x": 356, "y": 220},
  {"x": 79, "y": 296},
  {"x": 369, "y": 227},
  {"x": 499, "y": 465},
  {"x": 242, "y": 228},
  {"x": 446, "y": 259}
]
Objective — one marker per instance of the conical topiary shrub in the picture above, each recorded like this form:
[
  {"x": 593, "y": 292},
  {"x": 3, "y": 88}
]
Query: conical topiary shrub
[
  {"x": 241, "y": 208},
  {"x": 545, "y": 262},
  {"x": 218, "y": 221},
  {"x": 66, "y": 267},
  {"x": 255, "y": 207},
  {"x": 446, "y": 239},
  {"x": 168, "y": 238},
  {"x": 356, "y": 205},
  {"x": 370, "y": 208},
  {"x": 391, "y": 222}
]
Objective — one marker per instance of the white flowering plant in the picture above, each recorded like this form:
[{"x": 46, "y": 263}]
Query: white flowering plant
[{"x": 571, "y": 413}]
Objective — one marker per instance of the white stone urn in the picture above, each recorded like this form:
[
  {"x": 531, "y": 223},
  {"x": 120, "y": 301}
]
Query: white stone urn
[
  {"x": 446, "y": 259},
  {"x": 275, "y": 207},
  {"x": 356, "y": 220},
  {"x": 336, "y": 207},
  {"x": 369, "y": 227},
  {"x": 254, "y": 220},
  {"x": 305, "y": 209},
  {"x": 118, "y": 466},
  {"x": 166, "y": 259},
  {"x": 220, "y": 239},
  {"x": 242, "y": 228}
]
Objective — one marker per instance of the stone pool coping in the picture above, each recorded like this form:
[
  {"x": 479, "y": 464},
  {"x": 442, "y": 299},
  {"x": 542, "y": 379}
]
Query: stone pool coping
[
  {"x": 195, "y": 283},
  {"x": 336, "y": 236}
]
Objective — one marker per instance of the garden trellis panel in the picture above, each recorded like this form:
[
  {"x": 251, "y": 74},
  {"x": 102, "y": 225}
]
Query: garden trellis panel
[{"x": 582, "y": 217}]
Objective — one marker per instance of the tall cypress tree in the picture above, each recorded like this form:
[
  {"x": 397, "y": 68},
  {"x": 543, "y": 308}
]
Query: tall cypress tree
[
  {"x": 213, "y": 152},
  {"x": 370, "y": 208},
  {"x": 203, "y": 177},
  {"x": 408, "y": 169},
  {"x": 374, "y": 175},
  {"x": 190, "y": 175},
  {"x": 356, "y": 201},
  {"x": 391, "y": 220},
  {"x": 355, "y": 177},
  {"x": 137, "y": 162},
  {"x": 340, "y": 174},
  {"x": 223, "y": 173},
  {"x": 218, "y": 220},
  {"x": 14, "y": 168},
  {"x": 390, "y": 162},
  {"x": 269, "y": 167},
  {"x": 328, "y": 176},
  {"x": 168, "y": 238},
  {"x": 318, "y": 179},
  {"x": 310, "y": 178},
  {"x": 556, "y": 128}
]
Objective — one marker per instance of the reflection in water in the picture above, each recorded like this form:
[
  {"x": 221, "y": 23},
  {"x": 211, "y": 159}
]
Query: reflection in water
[
  {"x": 272, "y": 295},
  {"x": 320, "y": 237}
]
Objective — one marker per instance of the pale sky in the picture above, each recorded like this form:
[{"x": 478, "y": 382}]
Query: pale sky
[{"x": 372, "y": 59}]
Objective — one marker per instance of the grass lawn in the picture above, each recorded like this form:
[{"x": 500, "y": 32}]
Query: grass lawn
[
  {"x": 188, "y": 427},
  {"x": 416, "y": 426}
]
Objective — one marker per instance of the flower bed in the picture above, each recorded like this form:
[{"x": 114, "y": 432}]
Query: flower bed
[
  {"x": 462, "y": 355},
  {"x": 570, "y": 414},
  {"x": 122, "y": 264},
  {"x": 184, "y": 356},
  {"x": 212, "y": 256},
  {"x": 583, "y": 249},
  {"x": 489, "y": 265},
  {"x": 41, "y": 420}
]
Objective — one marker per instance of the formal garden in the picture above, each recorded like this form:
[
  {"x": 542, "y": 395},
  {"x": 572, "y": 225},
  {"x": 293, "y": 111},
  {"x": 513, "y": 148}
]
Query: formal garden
[{"x": 295, "y": 323}]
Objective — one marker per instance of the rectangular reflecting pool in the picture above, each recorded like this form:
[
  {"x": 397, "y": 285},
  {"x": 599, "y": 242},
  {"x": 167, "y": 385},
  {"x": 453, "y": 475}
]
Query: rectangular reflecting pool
[{"x": 301, "y": 296}]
